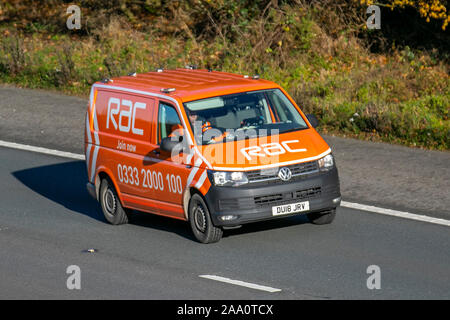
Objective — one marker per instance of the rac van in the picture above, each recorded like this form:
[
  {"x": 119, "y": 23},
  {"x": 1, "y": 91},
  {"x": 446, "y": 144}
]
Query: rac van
[{"x": 216, "y": 149}]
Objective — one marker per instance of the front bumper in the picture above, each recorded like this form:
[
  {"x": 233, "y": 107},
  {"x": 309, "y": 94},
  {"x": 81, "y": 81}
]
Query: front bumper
[{"x": 254, "y": 201}]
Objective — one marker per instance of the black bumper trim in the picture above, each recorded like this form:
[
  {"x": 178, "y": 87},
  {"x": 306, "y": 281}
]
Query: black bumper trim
[{"x": 247, "y": 210}]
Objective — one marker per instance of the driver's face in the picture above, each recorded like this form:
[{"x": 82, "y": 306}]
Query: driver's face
[{"x": 193, "y": 117}]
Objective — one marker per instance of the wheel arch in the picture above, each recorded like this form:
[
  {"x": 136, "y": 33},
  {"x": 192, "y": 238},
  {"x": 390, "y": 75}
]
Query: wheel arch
[
  {"x": 102, "y": 173},
  {"x": 188, "y": 193}
]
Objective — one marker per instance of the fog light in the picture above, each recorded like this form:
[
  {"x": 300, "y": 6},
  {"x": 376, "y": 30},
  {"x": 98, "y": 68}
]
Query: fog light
[
  {"x": 228, "y": 217},
  {"x": 337, "y": 200}
]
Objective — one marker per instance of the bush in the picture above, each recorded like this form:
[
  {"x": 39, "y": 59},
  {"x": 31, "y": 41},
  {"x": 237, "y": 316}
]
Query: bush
[{"x": 316, "y": 52}]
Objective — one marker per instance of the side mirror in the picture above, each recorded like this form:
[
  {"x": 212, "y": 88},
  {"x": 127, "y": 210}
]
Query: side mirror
[
  {"x": 313, "y": 120},
  {"x": 169, "y": 143}
]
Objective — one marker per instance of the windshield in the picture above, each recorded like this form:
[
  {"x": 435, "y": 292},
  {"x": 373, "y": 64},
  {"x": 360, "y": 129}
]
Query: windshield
[{"x": 242, "y": 115}]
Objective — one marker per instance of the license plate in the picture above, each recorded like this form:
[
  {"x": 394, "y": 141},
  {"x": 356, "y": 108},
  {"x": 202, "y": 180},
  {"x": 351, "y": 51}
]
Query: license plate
[{"x": 290, "y": 208}]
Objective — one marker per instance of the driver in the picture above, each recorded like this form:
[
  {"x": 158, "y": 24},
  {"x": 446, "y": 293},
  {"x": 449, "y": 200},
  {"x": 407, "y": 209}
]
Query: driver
[{"x": 196, "y": 120}]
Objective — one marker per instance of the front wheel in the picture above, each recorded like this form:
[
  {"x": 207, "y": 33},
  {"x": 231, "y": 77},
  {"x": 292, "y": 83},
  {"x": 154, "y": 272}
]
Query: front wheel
[
  {"x": 325, "y": 217},
  {"x": 201, "y": 223}
]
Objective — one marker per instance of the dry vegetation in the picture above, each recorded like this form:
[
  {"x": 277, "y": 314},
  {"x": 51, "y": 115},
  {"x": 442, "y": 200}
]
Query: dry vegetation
[{"x": 318, "y": 50}]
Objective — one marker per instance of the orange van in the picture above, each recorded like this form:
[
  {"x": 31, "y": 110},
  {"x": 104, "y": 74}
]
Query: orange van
[{"x": 216, "y": 149}]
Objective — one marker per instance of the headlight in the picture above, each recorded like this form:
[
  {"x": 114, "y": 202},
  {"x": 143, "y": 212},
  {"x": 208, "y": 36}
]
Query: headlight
[
  {"x": 229, "y": 178},
  {"x": 326, "y": 163}
]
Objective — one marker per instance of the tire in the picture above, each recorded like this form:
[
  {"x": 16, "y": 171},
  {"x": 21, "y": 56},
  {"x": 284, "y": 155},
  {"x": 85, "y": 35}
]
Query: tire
[
  {"x": 112, "y": 208},
  {"x": 201, "y": 223},
  {"x": 324, "y": 217}
]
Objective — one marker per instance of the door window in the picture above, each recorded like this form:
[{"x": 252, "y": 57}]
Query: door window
[{"x": 168, "y": 121}]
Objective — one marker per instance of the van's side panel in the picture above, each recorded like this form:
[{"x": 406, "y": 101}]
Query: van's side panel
[
  {"x": 124, "y": 127},
  {"x": 125, "y": 122}
]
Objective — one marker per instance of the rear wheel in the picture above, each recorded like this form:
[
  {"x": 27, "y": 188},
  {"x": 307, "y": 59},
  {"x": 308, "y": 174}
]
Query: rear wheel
[
  {"x": 112, "y": 208},
  {"x": 201, "y": 223},
  {"x": 324, "y": 217}
]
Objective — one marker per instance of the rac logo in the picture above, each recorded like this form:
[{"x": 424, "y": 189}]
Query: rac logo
[
  {"x": 270, "y": 149},
  {"x": 127, "y": 115}
]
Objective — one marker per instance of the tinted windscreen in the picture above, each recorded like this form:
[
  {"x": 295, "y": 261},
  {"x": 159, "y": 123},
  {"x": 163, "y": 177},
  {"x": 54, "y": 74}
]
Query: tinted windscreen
[{"x": 237, "y": 116}]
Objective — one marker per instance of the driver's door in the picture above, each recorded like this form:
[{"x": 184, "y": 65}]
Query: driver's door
[{"x": 167, "y": 176}]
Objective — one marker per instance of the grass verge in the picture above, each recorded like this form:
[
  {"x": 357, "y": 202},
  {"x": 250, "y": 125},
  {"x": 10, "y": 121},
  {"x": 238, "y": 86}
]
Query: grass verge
[{"x": 401, "y": 96}]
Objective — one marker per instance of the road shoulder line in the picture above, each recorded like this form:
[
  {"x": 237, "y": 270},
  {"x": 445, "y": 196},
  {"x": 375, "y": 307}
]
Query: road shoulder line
[
  {"x": 240, "y": 283},
  {"x": 395, "y": 213},
  {"x": 41, "y": 150}
]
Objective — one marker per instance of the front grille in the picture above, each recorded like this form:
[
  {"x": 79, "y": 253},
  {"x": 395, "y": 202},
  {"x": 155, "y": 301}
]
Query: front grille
[
  {"x": 288, "y": 197},
  {"x": 297, "y": 170}
]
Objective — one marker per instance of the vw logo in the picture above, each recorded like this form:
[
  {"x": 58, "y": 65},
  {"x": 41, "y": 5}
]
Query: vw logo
[{"x": 285, "y": 174}]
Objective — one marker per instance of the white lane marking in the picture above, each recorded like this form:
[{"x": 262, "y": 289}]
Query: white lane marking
[
  {"x": 42, "y": 150},
  {"x": 241, "y": 283},
  {"x": 351, "y": 205},
  {"x": 395, "y": 213}
]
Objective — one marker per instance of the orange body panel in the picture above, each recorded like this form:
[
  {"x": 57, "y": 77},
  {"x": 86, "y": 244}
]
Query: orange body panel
[{"x": 121, "y": 139}]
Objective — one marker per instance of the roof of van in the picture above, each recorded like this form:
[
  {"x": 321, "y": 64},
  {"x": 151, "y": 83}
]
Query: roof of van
[{"x": 191, "y": 84}]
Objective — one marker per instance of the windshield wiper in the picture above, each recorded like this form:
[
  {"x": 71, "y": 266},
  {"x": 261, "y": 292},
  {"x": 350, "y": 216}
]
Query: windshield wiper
[{"x": 295, "y": 129}]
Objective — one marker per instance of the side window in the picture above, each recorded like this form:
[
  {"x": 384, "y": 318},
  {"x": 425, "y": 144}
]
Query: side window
[{"x": 168, "y": 121}]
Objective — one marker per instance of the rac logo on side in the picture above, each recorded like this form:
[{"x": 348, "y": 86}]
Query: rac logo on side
[
  {"x": 270, "y": 149},
  {"x": 127, "y": 115}
]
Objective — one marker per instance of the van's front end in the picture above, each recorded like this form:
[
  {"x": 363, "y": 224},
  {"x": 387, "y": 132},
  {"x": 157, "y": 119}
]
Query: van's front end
[
  {"x": 266, "y": 159},
  {"x": 310, "y": 188}
]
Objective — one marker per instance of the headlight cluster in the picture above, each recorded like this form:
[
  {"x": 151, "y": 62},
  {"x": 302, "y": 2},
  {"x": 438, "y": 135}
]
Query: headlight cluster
[
  {"x": 233, "y": 179},
  {"x": 326, "y": 163}
]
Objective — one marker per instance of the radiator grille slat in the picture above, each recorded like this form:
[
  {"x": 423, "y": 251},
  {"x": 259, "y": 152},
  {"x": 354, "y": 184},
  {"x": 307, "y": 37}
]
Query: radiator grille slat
[{"x": 297, "y": 170}]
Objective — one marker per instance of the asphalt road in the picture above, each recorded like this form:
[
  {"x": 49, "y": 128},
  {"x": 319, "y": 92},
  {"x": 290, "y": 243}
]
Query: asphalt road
[
  {"x": 47, "y": 221},
  {"x": 377, "y": 174}
]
